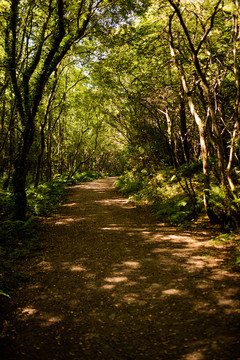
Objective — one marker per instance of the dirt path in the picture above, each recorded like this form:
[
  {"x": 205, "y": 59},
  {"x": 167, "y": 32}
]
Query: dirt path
[{"x": 115, "y": 284}]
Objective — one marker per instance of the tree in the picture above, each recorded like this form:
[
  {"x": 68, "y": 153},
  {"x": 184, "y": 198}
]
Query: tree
[
  {"x": 38, "y": 36},
  {"x": 207, "y": 74},
  {"x": 151, "y": 91}
]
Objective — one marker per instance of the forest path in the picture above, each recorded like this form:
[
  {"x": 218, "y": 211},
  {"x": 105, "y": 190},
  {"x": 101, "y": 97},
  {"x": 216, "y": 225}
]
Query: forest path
[{"x": 115, "y": 284}]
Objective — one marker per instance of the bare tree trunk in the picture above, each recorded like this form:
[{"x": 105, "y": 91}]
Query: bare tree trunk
[{"x": 209, "y": 100}]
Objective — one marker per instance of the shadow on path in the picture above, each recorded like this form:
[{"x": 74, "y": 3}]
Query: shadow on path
[{"x": 115, "y": 284}]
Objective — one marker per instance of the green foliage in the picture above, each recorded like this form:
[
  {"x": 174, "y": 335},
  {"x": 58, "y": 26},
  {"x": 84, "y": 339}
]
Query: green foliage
[
  {"x": 191, "y": 169},
  {"x": 160, "y": 190},
  {"x": 224, "y": 208},
  {"x": 47, "y": 196},
  {"x": 86, "y": 176},
  {"x": 129, "y": 183},
  {"x": 16, "y": 237},
  {"x": 223, "y": 239},
  {"x": 6, "y": 204},
  {"x": 176, "y": 210},
  {"x": 4, "y": 294},
  {"x": 238, "y": 258}
]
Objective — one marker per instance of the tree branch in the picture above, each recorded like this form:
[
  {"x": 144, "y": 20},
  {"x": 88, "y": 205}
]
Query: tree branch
[
  {"x": 210, "y": 27},
  {"x": 10, "y": 46}
]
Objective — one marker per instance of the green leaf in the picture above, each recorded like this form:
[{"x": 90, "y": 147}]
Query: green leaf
[
  {"x": 4, "y": 294},
  {"x": 238, "y": 259}
]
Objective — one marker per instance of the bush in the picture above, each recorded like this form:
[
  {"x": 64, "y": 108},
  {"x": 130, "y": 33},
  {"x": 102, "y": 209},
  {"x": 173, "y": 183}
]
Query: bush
[
  {"x": 46, "y": 197},
  {"x": 129, "y": 183},
  {"x": 161, "y": 190},
  {"x": 6, "y": 204},
  {"x": 86, "y": 176},
  {"x": 225, "y": 209},
  {"x": 175, "y": 210}
]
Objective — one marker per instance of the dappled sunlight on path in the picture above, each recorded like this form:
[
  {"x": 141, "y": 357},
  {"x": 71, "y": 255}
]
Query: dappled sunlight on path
[{"x": 115, "y": 284}]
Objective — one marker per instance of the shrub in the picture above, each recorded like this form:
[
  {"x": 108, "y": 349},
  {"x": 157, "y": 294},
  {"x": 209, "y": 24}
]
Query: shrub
[
  {"x": 6, "y": 204},
  {"x": 129, "y": 183},
  {"x": 46, "y": 197},
  {"x": 176, "y": 210},
  {"x": 162, "y": 191},
  {"x": 86, "y": 176},
  {"x": 225, "y": 209}
]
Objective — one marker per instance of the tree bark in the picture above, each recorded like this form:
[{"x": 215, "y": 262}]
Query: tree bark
[{"x": 183, "y": 123}]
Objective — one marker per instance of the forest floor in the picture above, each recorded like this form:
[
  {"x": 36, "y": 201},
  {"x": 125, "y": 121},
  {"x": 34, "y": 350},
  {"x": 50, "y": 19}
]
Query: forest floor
[{"x": 114, "y": 283}]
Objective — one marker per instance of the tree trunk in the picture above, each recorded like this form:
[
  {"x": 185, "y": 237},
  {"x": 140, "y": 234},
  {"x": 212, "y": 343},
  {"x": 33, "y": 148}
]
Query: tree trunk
[
  {"x": 30, "y": 71},
  {"x": 199, "y": 122},
  {"x": 39, "y": 160},
  {"x": 49, "y": 158},
  {"x": 19, "y": 190},
  {"x": 183, "y": 121},
  {"x": 21, "y": 164}
]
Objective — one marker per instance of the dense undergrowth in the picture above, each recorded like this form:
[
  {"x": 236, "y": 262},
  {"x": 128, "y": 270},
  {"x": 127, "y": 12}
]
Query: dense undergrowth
[
  {"x": 163, "y": 192},
  {"x": 20, "y": 240},
  {"x": 177, "y": 197}
]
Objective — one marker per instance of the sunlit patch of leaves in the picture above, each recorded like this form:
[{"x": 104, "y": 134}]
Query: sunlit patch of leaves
[
  {"x": 44, "y": 199},
  {"x": 86, "y": 176},
  {"x": 224, "y": 209},
  {"x": 162, "y": 191},
  {"x": 130, "y": 183}
]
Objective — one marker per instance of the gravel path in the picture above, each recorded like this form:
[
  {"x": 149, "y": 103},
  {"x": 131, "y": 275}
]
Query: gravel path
[{"x": 115, "y": 284}]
